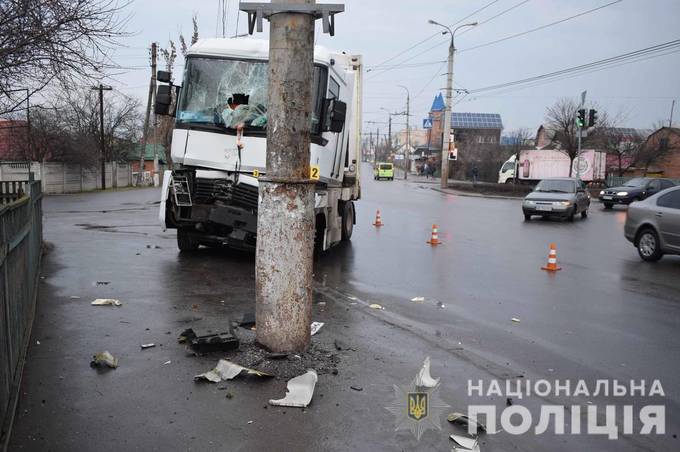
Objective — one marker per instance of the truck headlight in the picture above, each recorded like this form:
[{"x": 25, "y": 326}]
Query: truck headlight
[
  {"x": 352, "y": 168},
  {"x": 622, "y": 193}
]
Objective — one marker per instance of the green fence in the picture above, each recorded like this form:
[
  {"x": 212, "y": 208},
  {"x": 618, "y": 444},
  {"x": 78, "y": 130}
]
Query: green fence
[{"x": 20, "y": 252}]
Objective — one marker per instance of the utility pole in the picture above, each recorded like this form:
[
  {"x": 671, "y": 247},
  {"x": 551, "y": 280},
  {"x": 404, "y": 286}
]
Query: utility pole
[
  {"x": 407, "y": 153},
  {"x": 285, "y": 225},
  {"x": 149, "y": 102},
  {"x": 446, "y": 140},
  {"x": 101, "y": 88}
]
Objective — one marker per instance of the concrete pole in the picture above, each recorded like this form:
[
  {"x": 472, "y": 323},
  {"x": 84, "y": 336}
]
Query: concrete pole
[
  {"x": 149, "y": 102},
  {"x": 447, "y": 120},
  {"x": 285, "y": 227},
  {"x": 407, "y": 154}
]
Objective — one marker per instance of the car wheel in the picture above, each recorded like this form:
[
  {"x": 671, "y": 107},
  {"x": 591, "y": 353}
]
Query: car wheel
[
  {"x": 570, "y": 218},
  {"x": 185, "y": 242},
  {"x": 527, "y": 217},
  {"x": 584, "y": 214},
  {"x": 608, "y": 205},
  {"x": 648, "y": 245},
  {"x": 347, "y": 220}
]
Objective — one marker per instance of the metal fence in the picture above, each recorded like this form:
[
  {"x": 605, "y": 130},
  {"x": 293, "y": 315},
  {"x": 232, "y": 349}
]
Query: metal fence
[{"x": 20, "y": 252}]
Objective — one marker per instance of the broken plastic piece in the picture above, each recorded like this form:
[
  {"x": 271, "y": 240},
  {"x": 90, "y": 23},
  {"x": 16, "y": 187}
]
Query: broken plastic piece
[
  {"x": 462, "y": 419},
  {"x": 226, "y": 370},
  {"x": 300, "y": 391},
  {"x": 186, "y": 335},
  {"x": 221, "y": 342},
  {"x": 106, "y": 302},
  {"x": 515, "y": 319},
  {"x": 465, "y": 443},
  {"x": 104, "y": 359},
  {"x": 145, "y": 346},
  {"x": 375, "y": 306},
  {"x": 424, "y": 378},
  {"x": 418, "y": 299},
  {"x": 316, "y": 326}
]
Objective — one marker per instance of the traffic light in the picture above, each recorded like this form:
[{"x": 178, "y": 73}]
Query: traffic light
[
  {"x": 581, "y": 118},
  {"x": 592, "y": 117}
]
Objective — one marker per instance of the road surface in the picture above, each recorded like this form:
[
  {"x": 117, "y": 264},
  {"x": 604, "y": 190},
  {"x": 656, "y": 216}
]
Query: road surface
[{"x": 606, "y": 315}]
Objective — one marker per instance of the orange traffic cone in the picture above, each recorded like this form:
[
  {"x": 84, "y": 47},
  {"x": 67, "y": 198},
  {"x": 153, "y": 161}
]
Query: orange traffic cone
[
  {"x": 378, "y": 221},
  {"x": 434, "y": 240},
  {"x": 552, "y": 260}
]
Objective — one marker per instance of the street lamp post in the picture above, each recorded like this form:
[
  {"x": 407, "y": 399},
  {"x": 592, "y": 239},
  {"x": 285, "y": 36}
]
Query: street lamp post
[
  {"x": 446, "y": 141},
  {"x": 407, "y": 154}
]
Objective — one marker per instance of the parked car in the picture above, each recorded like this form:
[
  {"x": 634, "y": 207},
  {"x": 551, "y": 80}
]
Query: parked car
[
  {"x": 561, "y": 197},
  {"x": 383, "y": 171},
  {"x": 634, "y": 190},
  {"x": 653, "y": 225}
]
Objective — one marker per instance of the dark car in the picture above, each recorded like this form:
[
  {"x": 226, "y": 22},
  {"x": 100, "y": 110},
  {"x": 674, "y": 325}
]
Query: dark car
[
  {"x": 634, "y": 190},
  {"x": 559, "y": 197}
]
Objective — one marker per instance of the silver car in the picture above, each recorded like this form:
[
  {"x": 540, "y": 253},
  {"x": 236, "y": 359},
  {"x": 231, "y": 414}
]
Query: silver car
[
  {"x": 653, "y": 225},
  {"x": 557, "y": 197}
]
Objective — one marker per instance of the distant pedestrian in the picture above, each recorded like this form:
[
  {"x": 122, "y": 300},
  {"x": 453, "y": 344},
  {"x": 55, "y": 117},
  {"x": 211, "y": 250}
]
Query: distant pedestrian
[
  {"x": 426, "y": 170},
  {"x": 475, "y": 174}
]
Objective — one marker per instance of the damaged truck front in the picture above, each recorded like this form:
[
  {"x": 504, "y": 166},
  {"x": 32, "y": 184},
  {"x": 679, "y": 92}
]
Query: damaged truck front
[{"x": 219, "y": 143}]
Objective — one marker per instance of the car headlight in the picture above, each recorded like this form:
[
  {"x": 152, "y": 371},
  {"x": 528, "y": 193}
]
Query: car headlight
[
  {"x": 528, "y": 202},
  {"x": 565, "y": 203},
  {"x": 602, "y": 193},
  {"x": 622, "y": 193}
]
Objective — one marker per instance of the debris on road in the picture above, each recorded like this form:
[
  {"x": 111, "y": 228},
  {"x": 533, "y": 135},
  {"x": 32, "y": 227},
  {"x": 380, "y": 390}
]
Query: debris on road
[
  {"x": 222, "y": 342},
  {"x": 300, "y": 391},
  {"x": 462, "y": 419},
  {"x": 186, "y": 335},
  {"x": 104, "y": 359},
  {"x": 103, "y": 283},
  {"x": 316, "y": 326},
  {"x": 376, "y": 306},
  {"x": 440, "y": 305},
  {"x": 418, "y": 299},
  {"x": 74, "y": 297},
  {"x": 465, "y": 443},
  {"x": 424, "y": 378},
  {"x": 167, "y": 362},
  {"x": 226, "y": 370},
  {"x": 515, "y": 319},
  {"x": 106, "y": 302},
  {"x": 248, "y": 320},
  {"x": 356, "y": 388},
  {"x": 145, "y": 346},
  {"x": 352, "y": 297}
]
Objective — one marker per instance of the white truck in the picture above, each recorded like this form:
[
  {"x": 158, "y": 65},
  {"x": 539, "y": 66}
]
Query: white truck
[
  {"x": 536, "y": 164},
  {"x": 219, "y": 143}
]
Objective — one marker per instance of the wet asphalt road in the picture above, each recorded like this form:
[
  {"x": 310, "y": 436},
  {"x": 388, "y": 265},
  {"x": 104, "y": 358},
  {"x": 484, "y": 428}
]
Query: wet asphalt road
[{"x": 606, "y": 315}]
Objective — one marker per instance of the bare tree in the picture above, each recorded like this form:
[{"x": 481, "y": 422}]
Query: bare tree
[
  {"x": 520, "y": 139},
  {"x": 655, "y": 148},
  {"x": 194, "y": 37},
  {"x": 44, "y": 40}
]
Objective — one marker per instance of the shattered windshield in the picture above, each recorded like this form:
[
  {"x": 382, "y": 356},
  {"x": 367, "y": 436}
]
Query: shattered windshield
[{"x": 231, "y": 94}]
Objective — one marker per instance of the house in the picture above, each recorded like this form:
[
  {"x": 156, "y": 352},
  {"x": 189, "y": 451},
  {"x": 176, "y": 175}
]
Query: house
[
  {"x": 150, "y": 152},
  {"x": 13, "y": 138},
  {"x": 661, "y": 153}
]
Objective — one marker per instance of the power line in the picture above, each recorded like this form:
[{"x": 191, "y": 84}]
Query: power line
[{"x": 517, "y": 5}]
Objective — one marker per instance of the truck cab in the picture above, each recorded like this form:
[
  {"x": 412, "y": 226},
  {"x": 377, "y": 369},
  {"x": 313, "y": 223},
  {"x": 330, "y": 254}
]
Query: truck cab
[
  {"x": 220, "y": 135},
  {"x": 506, "y": 175}
]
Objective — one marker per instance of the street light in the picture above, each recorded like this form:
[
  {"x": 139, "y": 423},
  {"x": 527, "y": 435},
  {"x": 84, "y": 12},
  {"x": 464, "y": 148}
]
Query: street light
[
  {"x": 407, "y": 156},
  {"x": 446, "y": 141}
]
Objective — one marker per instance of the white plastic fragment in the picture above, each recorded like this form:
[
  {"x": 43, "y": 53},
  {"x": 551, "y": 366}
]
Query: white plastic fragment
[
  {"x": 316, "y": 326},
  {"x": 352, "y": 298},
  {"x": 465, "y": 443},
  {"x": 300, "y": 391},
  {"x": 145, "y": 346},
  {"x": 74, "y": 297},
  {"x": 515, "y": 319},
  {"x": 375, "y": 306},
  {"x": 226, "y": 370},
  {"x": 424, "y": 378},
  {"x": 106, "y": 302},
  {"x": 418, "y": 299}
]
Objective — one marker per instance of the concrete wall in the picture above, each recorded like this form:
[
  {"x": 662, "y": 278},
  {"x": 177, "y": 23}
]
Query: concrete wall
[{"x": 58, "y": 178}]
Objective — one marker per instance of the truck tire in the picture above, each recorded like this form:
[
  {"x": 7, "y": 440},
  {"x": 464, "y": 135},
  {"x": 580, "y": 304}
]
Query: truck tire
[
  {"x": 347, "y": 220},
  {"x": 185, "y": 242}
]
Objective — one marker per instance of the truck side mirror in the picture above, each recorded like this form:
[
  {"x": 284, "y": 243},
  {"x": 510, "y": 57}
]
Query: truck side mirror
[
  {"x": 335, "y": 112},
  {"x": 163, "y": 76},
  {"x": 163, "y": 100}
]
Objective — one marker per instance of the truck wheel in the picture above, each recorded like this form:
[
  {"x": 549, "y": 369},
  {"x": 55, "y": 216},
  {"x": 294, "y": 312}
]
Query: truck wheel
[
  {"x": 185, "y": 242},
  {"x": 347, "y": 220}
]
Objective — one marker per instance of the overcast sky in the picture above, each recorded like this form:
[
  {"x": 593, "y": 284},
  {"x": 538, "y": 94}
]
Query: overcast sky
[{"x": 381, "y": 29}]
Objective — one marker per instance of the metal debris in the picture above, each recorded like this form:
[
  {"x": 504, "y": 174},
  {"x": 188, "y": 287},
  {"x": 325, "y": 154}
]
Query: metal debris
[
  {"x": 424, "y": 378},
  {"x": 375, "y": 306},
  {"x": 300, "y": 391},
  {"x": 221, "y": 342},
  {"x": 226, "y": 370},
  {"x": 316, "y": 326},
  {"x": 106, "y": 302},
  {"x": 104, "y": 359},
  {"x": 462, "y": 419},
  {"x": 465, "y": 443},
  {"x": 145, "y": 346}
]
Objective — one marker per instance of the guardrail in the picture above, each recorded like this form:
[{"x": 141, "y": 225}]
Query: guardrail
[{"x": 20, "y": 254}]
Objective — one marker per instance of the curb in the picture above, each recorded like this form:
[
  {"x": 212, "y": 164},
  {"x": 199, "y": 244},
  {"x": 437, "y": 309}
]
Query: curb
[{"x": 450, "y": 191}]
